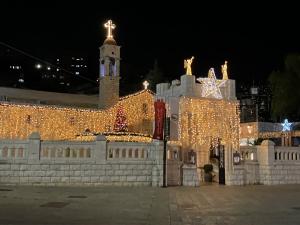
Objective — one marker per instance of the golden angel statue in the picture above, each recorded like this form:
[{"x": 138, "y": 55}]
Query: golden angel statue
[
  {"x": 187, "y": 65},
  {"x": 224, "y": 71}
]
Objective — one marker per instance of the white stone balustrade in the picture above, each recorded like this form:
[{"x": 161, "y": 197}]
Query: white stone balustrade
[
  {"x": 287, "y": 154},
  {"x": 128, "y": 151},
  {"x": 13, "y": 149},
  {"x": 248, "y": 153},
  {"x": 66, "y": 150}
]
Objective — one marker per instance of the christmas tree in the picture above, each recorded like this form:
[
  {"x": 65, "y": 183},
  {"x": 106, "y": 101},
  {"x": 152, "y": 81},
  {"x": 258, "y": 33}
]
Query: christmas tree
[{"x": 120, "y": 123}]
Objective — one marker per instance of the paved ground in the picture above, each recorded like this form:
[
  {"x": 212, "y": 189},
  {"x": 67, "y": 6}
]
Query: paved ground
[{"x": 131, "y": 205}]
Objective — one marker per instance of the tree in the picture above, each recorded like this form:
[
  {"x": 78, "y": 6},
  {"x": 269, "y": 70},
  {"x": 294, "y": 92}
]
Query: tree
[
  {"x": 285, "y": 89},
  {"x": 154, "y": 76},
  {"x": 120, "y": 123}
]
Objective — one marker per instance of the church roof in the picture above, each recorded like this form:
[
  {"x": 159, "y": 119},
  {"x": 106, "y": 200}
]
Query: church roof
[{"x": 109, "y": 41}]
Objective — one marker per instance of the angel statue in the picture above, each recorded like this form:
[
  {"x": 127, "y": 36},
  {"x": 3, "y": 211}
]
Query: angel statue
[
  {"x": 187, "y": 65},
  {"x": 224, "y": 71}
]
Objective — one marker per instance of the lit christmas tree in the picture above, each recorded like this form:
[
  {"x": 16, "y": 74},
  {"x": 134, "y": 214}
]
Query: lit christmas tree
[{"x": 120, "y": 123}]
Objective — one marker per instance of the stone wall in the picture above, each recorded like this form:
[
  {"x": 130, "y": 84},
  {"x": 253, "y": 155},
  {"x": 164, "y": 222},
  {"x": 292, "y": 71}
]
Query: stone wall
[
  {"x": 190, "y": 175},
  {"x": 36, "y": 162},
  {"x": 265, "y": 164}
]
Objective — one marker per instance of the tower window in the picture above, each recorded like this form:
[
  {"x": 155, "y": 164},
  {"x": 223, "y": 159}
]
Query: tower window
[{"x": 112, "y": 53}]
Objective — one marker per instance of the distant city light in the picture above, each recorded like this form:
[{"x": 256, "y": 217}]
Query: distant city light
[
  {"x": 48, "y": 68},
  {"x": 38, "y": 66},
  {"x": 77, "y": 73},
  {"x": 21, "y": 80}
]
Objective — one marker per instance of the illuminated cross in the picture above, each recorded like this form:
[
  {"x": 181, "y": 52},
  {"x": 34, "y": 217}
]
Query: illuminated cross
[
  {"x": 286, "y": 126},
  {"x": 110, "y": 26},
  {"x": 146, "y": 84}
]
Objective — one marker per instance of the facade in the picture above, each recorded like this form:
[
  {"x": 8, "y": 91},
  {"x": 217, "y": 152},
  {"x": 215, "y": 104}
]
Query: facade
[{"x": 197, "y": 120}]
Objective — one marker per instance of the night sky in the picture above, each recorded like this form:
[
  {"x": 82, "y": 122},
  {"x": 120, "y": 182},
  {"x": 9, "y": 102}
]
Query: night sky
[{"x": 253, "y": 38}]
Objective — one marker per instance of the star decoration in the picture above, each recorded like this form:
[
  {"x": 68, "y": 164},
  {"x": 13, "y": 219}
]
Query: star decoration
[
  {"x": 211, "y": 85},
  {"x": 286, "y": 126}
]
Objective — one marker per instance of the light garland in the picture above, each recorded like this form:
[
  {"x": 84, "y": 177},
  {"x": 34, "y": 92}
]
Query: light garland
[
  {"x": 117, "y": 136},
  {"x": 202, "y": 119},
  {"x": 18, "y": 121}
]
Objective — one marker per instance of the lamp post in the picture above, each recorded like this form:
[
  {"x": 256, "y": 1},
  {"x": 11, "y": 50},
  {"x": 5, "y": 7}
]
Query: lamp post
[{"x": 166, "y": 138}]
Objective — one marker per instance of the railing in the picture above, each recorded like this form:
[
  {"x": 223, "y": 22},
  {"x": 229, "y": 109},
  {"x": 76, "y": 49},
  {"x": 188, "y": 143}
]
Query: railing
[
  {"x": 136, "y": 151},
  {"x": 66, "y": 150},
  {"x": 248, "y": 153},
  {"x": 287, "y": 154},
  {"x": 15, "y": 149}
]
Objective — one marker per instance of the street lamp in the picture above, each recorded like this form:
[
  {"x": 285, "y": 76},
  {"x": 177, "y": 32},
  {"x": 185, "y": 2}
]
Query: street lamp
[{"x": 38, "y": 66}]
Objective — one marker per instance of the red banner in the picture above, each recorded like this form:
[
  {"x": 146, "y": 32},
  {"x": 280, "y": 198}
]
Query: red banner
[{"x": 160, "y": 111}]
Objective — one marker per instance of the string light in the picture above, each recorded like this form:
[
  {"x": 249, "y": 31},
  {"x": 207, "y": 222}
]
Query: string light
[
  {"x": 117, "y": 136},
  {"x": 60, "y": 123},
  {"x": 201, "y": 120}
]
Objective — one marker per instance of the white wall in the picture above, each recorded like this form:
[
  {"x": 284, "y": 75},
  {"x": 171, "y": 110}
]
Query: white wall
[{"x": 36, "y": 162}]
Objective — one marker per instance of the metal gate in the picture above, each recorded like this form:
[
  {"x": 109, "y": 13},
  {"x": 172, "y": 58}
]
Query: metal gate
[{"x": 174, "y": 172}]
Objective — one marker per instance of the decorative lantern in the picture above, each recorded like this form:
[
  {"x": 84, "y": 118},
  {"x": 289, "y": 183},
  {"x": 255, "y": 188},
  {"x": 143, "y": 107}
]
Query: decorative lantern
[{"x": 236, "y": 158}]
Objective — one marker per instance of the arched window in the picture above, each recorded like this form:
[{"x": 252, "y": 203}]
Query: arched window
[
  {"x": 279, "y": 156},
  {"x": 143, "y": 153},
  {"x": 136, "y": 153},
  {"x": 275, "y": 155},
  {"x": 117, "y": 153},
  {"x": 130, "y": 153},
  {"x": 5, "y": 152},
  {"x": 67, "y": 152},
  {"x": 81, "y": 152},
  {"x": 124, "y": 153},
  {"x": 20, "y": 152},
  {"x": 88, "y": 153}
]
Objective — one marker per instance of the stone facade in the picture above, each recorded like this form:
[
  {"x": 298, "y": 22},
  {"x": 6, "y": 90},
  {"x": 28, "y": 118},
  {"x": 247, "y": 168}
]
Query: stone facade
[{"x": 36, "y": 162}]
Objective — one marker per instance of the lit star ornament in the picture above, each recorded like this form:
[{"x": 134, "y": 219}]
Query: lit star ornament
[
  {"x": 211, "y": 85},
  {"x": 286, "y": 126}
]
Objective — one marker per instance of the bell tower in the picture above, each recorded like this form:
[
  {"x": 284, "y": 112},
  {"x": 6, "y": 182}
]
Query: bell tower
[{"x": 109, "y": 69}]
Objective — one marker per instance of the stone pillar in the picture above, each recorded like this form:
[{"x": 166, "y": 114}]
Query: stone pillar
[
  {"x": 188, "y": 84},
  {"x": 266, "y": 153},
  {"x": 157, "y": 170},
  {"x": 190, "y": 176},
  {"x": 100, "y": 148},
  {"x": 34, "y": 146}
]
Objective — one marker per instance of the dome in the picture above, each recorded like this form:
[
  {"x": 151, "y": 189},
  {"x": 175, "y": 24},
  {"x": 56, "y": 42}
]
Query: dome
[{"x": 110, "y": 41}]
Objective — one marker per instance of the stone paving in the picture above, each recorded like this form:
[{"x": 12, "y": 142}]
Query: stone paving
[{"x": 207, "y": 204}]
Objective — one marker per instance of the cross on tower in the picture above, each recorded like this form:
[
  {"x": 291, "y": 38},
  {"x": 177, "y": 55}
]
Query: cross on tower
[
  {"x": 110, "y": 26},
  {"x": 146, "y": 84}
]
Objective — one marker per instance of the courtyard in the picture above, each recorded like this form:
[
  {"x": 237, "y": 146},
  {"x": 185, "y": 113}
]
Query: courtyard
[{"x": 207, "y": 204}]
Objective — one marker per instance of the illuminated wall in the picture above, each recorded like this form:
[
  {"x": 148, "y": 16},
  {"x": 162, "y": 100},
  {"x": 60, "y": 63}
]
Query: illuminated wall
[
  {"x": 57, "y": 123},
  {"x": 201, "y": 119}
]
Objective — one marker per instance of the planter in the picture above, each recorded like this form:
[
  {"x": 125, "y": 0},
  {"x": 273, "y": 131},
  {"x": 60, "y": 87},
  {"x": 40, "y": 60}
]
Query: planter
[{"x": 207, "y": 177}]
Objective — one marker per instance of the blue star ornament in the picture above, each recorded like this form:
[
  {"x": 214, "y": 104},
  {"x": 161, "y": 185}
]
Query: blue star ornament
[{"x": 286, "y": 126}]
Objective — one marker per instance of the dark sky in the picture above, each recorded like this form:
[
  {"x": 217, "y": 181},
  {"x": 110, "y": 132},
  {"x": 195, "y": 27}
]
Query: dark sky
[{"x": 253, "y": 38}]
